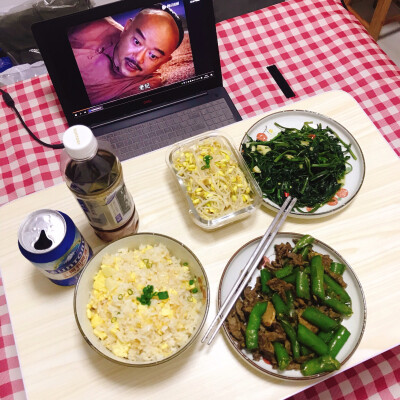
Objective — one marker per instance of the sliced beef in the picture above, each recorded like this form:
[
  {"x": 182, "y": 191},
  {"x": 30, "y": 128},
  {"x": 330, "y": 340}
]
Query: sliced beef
[
  {"x": 266, "y": 346},
  {"x": 297, "y": 259},
  {"x": 236, "y": 328},
  {"x": 329, "y": 312},
  {"x": 304, "y": 322},
  {"x": 250, "y": 298},
  {"x": 239, "y": 310},
  {"x": 293, "y": 365},
  {"x": 256, "y": 355},
  {"x": 337, "y": 277},
  {"x": 280, "y": 286},
  {"x": 282, "y": 250},
  {"x": 300, "y": 303}
]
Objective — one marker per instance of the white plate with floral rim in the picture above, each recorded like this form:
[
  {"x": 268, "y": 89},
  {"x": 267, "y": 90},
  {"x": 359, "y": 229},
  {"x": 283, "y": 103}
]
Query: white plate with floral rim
[
  {"x": 355, "y": 323},
  {"x": 265, "y": 129}
]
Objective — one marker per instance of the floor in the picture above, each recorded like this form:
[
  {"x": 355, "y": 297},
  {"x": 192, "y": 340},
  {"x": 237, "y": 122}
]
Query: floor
[
  {"x": 389, "y": 37},
  {"x": 224, "y": 9}
]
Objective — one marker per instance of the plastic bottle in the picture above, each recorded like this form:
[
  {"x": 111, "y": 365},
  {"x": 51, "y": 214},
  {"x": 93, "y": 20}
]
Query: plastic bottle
[{"x": 93, "y": 173}]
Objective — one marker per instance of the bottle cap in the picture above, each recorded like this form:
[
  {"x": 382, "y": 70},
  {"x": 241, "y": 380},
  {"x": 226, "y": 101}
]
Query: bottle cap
[{"x": 79, "y": 142}]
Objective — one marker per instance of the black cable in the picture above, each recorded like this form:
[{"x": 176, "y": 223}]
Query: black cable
[{"x": 11, "y": 103}]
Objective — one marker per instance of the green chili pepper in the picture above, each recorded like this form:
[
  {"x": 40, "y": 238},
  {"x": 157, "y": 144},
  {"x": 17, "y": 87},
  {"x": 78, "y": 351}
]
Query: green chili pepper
[
  {"x": 326, "y": 336},
  {"x": 130, "y": 292},
  {"x": 319, "y": 319},
  {"x": 292, "y": 277},
  {"x": 290, "y": 303},
  {"x": 120, "y": 296},
  {"x": 305, "y": 251},
  {"x": 194, "y": 290},
  {"x": 317, "y": 277},
  {"x": 291, "y": 334},
  {"x": 289, "y": 299},
  {"x": 303, "y": 242},
  {"x": 114, "y": 319},
  {"x": 305, "y": 351},
  {"x": 338, "y": 340},
  {"x": 253, "y": 325},
  {"x": 265, "y": 277},
  {"x": 285, "y": 271},
  {"x": 302, "y": 285},
  {"x": 338, "y": 306},
  {"x": 206, "y": 160},
  {"x": 337, "y": 268},
  {"x": 311, "y": 340},
  {"x": 281, "y": 308},
  {"x": 281, "y": 355},
  {"x": 325, "y": 363},
  {"x": 336, "y": 288}
]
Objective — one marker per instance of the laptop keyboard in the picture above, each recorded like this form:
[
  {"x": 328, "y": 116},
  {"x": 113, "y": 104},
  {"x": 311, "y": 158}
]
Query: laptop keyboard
[{"x": 164, "y": 131}]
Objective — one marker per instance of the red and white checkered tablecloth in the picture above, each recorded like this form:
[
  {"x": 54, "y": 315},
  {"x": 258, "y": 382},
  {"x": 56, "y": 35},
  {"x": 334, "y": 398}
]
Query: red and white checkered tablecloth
[
  {"x": 375, "y": 379},
  {"x": 318, "y": 46},
  {"x": 26, "y": 166},
  {"x": 11, "y": 384}
]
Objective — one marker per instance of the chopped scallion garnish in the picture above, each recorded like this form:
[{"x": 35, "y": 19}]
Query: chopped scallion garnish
[{"x": 163, "y": 295}]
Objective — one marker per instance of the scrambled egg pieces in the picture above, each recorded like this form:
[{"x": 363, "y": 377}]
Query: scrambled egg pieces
[
  {"x": 213, "y": 178},
  {"x": 116, "y": 313}
]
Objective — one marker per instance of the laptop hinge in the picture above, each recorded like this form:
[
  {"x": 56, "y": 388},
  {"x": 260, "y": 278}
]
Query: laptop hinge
[{"x": 135, "y": 114}]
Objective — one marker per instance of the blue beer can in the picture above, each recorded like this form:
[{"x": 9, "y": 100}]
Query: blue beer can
[{"x": 51, "y": 242}]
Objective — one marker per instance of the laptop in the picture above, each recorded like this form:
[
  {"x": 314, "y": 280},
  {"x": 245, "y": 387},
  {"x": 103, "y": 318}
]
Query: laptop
[{"x": 142, "y": 75}]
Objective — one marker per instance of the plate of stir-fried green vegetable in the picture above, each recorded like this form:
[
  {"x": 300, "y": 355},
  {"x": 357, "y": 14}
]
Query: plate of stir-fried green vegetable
[
  {"x": 308, "y": 156},
  {"x": 303, "y": 313}
]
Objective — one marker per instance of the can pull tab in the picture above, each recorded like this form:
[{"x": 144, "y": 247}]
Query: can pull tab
[{"x": 43, "y": 242}]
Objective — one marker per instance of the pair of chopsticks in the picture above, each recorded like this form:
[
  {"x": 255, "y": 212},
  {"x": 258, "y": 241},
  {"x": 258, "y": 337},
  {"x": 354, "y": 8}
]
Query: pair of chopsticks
[{"x": 249, "y": 269}]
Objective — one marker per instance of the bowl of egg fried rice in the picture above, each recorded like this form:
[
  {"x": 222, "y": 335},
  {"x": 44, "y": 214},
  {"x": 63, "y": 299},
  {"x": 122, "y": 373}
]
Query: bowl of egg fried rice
[{"x": 142, "y": 300}]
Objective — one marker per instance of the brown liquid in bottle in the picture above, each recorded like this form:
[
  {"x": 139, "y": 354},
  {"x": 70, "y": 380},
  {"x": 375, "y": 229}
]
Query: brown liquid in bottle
[
  {"x": 93, "y": 176},
  {"x": 96, "y": 178}
]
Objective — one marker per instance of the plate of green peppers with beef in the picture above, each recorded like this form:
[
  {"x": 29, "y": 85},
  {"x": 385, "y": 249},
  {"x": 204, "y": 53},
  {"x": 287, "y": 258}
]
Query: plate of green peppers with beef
[
  {"x": 303, "y": 313},
  {"x": 306, "y": 155}
]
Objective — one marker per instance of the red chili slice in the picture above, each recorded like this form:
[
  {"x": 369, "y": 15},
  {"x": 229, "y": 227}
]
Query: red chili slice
[
  {"x": 333, "y": 202},
  {"x": 262, "y": 136},
  {"x": 342, "y": 193}
]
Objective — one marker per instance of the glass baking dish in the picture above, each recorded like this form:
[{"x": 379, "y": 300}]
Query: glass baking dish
[{"x": 214, "y": 179}]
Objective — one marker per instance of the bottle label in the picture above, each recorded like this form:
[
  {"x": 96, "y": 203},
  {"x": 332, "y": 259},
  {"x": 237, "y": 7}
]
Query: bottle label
[{"x": 110, "y": 210}]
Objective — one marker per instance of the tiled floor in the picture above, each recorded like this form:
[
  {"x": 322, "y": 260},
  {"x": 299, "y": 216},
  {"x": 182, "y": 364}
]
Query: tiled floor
[
  {"x": 389, "y": 37},
  {"x": 389, "y": 40}
]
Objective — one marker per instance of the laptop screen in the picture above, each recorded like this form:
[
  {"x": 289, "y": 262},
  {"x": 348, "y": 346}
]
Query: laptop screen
[{"x": 114, "y": 60}]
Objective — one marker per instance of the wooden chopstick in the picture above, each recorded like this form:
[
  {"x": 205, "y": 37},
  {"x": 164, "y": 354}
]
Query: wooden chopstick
[{"x": 249, "y": 268}]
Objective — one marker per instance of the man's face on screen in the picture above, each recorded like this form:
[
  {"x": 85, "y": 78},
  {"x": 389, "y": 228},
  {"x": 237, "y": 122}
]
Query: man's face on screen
[{"x": 146, "y": 43}]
